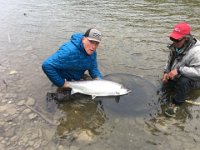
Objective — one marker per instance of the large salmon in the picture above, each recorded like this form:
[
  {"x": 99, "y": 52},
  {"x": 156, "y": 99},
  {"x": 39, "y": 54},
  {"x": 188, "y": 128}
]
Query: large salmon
[{"x": 98, "y": 88}]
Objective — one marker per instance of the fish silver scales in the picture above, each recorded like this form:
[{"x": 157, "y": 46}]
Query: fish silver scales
[{"x": 98, "y": 88}]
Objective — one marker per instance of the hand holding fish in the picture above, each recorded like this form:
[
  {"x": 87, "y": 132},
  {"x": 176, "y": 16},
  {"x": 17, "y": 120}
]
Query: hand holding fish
[
  {"x": 165, "y": 78},
  {"x": 171, "y": 75},
  {"x": 66, "y": 85},
  {"x": 97, "y": 88}
]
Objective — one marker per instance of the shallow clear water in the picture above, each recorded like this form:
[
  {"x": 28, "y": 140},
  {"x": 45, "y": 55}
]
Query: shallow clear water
[{"x": 134, "y": 42}]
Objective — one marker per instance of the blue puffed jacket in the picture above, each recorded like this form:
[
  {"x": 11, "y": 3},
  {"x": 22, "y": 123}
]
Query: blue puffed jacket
[{"x": 70, "y": 62}]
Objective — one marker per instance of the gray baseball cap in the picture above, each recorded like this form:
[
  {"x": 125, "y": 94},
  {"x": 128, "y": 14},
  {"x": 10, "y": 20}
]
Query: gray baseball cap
[{"x": 93, "y": 35}]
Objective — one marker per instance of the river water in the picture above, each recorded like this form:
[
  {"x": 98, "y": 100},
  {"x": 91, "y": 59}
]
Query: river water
[{"x": 133, "y": 51}]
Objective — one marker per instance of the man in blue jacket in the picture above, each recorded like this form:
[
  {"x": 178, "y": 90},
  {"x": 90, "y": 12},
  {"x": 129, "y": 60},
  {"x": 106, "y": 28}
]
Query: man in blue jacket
[{"x": 73, "y": 58}]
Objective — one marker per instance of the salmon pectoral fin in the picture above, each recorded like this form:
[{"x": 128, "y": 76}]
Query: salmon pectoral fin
[
  {"x": 74, "y": 91},
  {"x": 117, "y": 98}
]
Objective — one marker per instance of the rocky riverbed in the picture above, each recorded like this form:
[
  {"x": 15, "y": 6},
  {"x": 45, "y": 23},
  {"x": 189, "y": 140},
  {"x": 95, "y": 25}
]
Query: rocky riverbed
[{"x": 24, "y": 127}]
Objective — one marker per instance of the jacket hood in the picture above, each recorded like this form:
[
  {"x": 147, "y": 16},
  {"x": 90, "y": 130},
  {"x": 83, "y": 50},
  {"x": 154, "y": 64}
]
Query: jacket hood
[{"x": 76, "y": 39}]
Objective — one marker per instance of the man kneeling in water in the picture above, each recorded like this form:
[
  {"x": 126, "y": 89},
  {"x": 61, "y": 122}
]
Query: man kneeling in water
[{"x": 182, "y": 71}]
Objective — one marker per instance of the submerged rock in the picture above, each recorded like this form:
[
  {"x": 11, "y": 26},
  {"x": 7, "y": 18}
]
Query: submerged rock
[
  {"x": 32, "y": 116},
  {"x": 30, "y": 101},
  {"x": 13, "y": 72},
  {"x": 85, "y": 136},
  {"x": 20, "y": 103}
]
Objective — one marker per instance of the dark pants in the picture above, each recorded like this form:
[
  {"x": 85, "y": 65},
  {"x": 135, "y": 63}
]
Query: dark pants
[{"x": 180, "y": 87}]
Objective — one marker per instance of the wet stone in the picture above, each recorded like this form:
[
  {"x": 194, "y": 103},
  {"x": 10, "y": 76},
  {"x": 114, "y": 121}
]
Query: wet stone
[
  {"x": 24, "y": 139},
  {"x": 45, "y": 142},
  {"x": 1, "y": 95},
  {"x": 7, "y": 143},
  {"x": 10, "y": 96},
  {"x": 2, "y": 131},
  {"x": 9, "y": 102},
  {"x": 6, "y": 138},
  {"x": 2, "y": 123},
  {"x": 49, "y": 133},
  {"x": 14, "y": 124},
  {"x": 85, "y": 136},
  {"x": 30, "y": 101},
  {"x": 9, "y": 119},
  {"x": 20, "y": 103},
  {"x": 5, "y": 115},
  {"x": 162, "y": 128},
  {"x": 60, "y": 147},
  {"x": 11, "y": 110},
  {"x": 13, "y": 72},
  {"x": 14, "y": 138},
  {"x": 37, "y": 144},
  {"x": 2, "y": 108},
  {"x": 29, "y": 148},
  {"x": 3, "y": 141},
  {"x": 50, "y": 146},
  {"x": 117, "y": 120},
  {"x": 32, "y": 116},
  {"x": 74, "y": 147},
  {"x": 36, "y": 122},
  {"x": 34, "y": 136},
  {"x": 195, "y": 137},
  {"x": 139, "y": 121},
  {"x": 27, "y": 111},
  {"x": 31, "y": 143},
  {"x": 40, "y": 133},
  {"x": 29, "y": 48},
  {"x": 10, "y": 132},
  {"x": 4, "y": 100},
  {"x": 2, "y": 146}
]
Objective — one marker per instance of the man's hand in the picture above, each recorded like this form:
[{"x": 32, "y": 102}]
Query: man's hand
[
  {"x": 65, "y": 84},
  {"x": 172, "y": 74},
  {"x": 165, "y": 78}
]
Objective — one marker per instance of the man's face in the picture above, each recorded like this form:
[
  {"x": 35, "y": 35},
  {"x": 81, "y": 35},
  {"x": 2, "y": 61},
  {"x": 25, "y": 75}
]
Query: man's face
[
  {"x": 178, "y": 43},
  {"x": 89, "y": 46}
]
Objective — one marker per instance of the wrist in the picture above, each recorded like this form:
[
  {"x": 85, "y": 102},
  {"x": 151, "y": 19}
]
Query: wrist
[
  {"x": 178, "y": 70},
  {"x": 65, "y": 85}
]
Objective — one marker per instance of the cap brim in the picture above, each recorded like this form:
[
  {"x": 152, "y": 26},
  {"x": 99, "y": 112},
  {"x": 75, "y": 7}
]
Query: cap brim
[
  {"x": 93, "y": 39},
  {"x": 176, "y": 36}
]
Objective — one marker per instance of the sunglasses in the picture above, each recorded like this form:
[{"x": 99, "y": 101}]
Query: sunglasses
[{"x": 176, "y": 40}]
